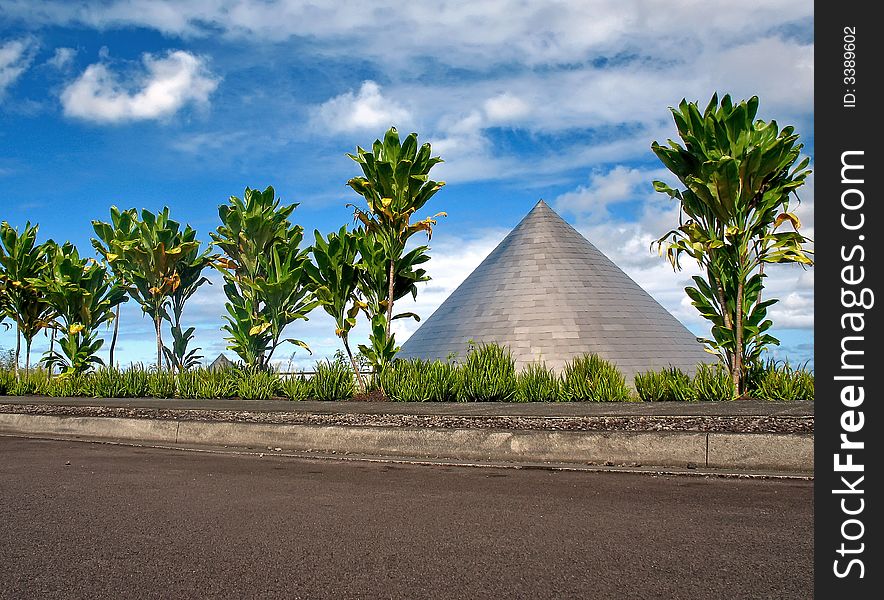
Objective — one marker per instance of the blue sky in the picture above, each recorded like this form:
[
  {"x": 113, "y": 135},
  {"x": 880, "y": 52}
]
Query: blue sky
[{"x": 150, "y": 103}]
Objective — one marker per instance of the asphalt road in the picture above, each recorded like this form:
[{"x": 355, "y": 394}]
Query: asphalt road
[{"x": 82, "y": 520}]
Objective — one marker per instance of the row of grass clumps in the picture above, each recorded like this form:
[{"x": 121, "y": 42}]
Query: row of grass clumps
[
  {"x": 771, "y": 380},
  {"x": 332, "y": 381},
  {"x": 487, "y": 375}
]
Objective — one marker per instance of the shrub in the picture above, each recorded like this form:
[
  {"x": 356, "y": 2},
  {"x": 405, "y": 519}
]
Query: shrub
[
  {"x": 161, "y": 384},
  {"x": 333, "y": 381},
  {"x": 257, "y": 384},
  {"x": 537, "y": 383},
  {"x": 665, "y": 385},
  {"x": 107, "y": 382},
  {"x": 681, "y": 387},
  {"x": 403, "y": 380},
  {"x": 652, "y": 386},
  {"x": 34, "y": 383},
  {"x": 68, "y": 385},
  {"x": 136, "y": 380},
  {"x": 6, "y": 379},
  {"x": 713, "y": 382},
  {"x": 418, "y": 381},
  {"x": 296, "y": 388},
  {"x": 187, "y": 383},
  {"x": 488, "y": 375},
  {"x": 207, "y": 384},
  {"x": 592, "y": 378},
  {"x": 780, "y": 381},
  {"x": 441, "y": 379}
]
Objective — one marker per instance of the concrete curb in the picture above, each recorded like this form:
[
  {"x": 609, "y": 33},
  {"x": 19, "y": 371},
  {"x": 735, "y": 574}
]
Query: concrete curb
[{"x": 755, "y": 452}]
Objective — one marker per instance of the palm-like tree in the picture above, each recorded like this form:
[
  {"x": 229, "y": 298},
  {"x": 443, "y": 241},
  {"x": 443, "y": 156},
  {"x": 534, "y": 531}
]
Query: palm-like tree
[
  {"x": 190, "y": 270},
  {"x": 395, "y": 185},
  {"x": 147, "y": 253},
  {"x": 21, "y": 261},
  {"x": 121, "y": 228},
  {"x": 738, "y": 175},
  {"x": 265, "y": 282},
  {"x": 335, "y": 282},
  {"x": 83, "y": 297}
]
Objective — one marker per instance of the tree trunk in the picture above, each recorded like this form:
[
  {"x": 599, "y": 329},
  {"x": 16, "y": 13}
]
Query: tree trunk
[
  {"x": 353, "y": 363},
  {"x": 728, "y": 323},
  {"x": 738, "y": 351},
  {"x": 113, "y": 343},
  {"x": 27, "y": 356},
  {"x": 17, "y": 348},
  {"x": 158, "y": 324},
  {"x": 51, "y": 351},
  {"x": 390, "y": 291}
]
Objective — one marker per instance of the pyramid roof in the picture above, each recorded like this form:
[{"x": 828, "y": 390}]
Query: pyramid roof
[{"x": 549, "y": 295}]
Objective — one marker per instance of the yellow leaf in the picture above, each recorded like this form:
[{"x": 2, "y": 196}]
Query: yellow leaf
[
  {"x": 76, "y": 328},
  {"x": 782, "y": 218},
  {"x": 174, "y": 281},
  {"x": 258, "y": 329}
]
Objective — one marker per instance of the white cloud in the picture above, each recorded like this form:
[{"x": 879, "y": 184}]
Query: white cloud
[
  {"x": 62, "y": 58},
  {"x": 620, "y": 184},
  {"x": 506, "y": 108},
  {"x": 459, "y": 32},
  {"x": 168, "y": 84},
  {"x": 15, "y": 58},
  {"x": 367, "y": 109}
]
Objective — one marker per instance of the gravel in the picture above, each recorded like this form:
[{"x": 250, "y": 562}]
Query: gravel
[{"x": 694, "y": 423}]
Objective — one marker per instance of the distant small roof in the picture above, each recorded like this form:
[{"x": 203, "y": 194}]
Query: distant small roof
[
  {"x": 549, "y": 295},
  {"x": 221, "y": 362}
]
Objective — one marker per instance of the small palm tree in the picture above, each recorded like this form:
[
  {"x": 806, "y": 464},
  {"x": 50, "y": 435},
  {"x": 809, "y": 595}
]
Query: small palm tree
[
  {"x": 738, "y": 176},
  {"x": 264, "y": 277},
  {"x": 148, "y": 254},
  {"x": 395, "y": 185},
  {"x": 335, "y": 281},
  {"x": 83, "y": 297},
  {"x": 21, "y": 261}
]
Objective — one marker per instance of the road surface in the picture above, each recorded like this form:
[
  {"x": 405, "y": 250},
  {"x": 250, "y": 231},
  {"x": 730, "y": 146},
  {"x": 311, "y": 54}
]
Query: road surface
[{"x": 85, "y": 520}]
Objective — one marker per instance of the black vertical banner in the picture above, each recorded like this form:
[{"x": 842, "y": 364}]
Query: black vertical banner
[{"x": 847, "y": 360}]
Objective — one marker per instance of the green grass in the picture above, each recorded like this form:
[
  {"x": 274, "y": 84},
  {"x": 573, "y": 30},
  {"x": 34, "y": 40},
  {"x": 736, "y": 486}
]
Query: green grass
[
  {"x": 537, "y": 383},
  {"x": 296, "y": 388},
  {"x": 590, "y": 378},
  {"x": 488, "y": 375},
  {"x": 333, "y": 381},
  {"x": 777, "y": 381}
]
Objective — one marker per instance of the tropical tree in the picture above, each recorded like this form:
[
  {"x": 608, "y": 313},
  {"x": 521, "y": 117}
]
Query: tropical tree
[
  {"x": 737, "y": 174},
  {"x": 190, "y": 270},
  {"x": 83, "y": 297},
  {"x": 335, "y": 283},
  {"x": 373, "y": 285},
  {"x": 122, "y": 228},
  {"x": 148, "y": 257},
  {"x": 265, "y": 281},
  {"x": 22, "y": 260},
  {"x": 395, "y": 185}
]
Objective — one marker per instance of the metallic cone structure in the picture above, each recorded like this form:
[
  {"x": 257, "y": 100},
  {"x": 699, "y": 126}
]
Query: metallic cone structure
[{"x": 550, "y": 295}]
